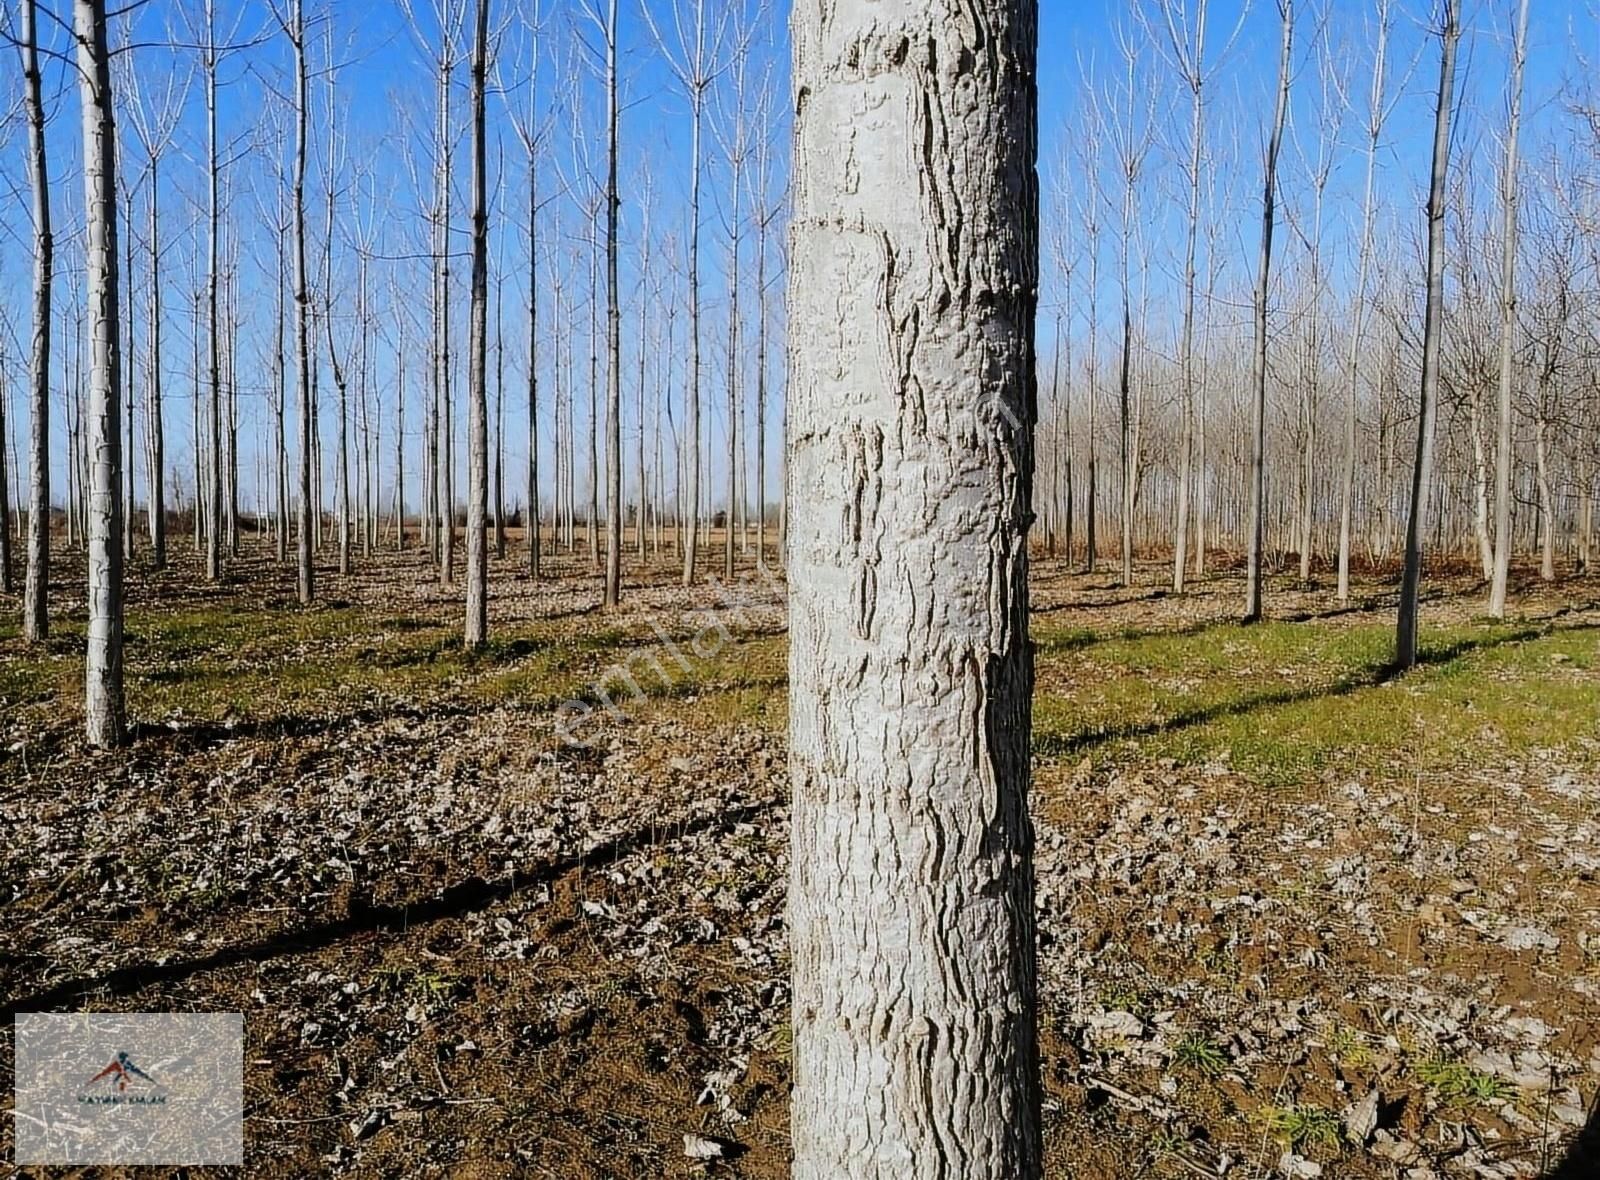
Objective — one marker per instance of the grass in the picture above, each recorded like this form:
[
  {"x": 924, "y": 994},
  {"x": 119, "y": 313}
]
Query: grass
[
  {"x": 1349, "y": 1047},
  {"x": 1282, "y": 701},
  {"x": 1457, "y": 1084},
  {"x": 1300, "y": 1128},
  {"x": 211, "y": 663},
  {"x": 1199, "y": 1055},
  {"x": 1279, "y": 702}
]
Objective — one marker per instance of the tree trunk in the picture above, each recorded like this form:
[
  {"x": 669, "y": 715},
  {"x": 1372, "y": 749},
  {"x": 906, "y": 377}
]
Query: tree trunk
[
  {"x": 305, "y": 577},
  {"x": 399, "y": 439},
  {"x": 6, "y": 462},
  {"x": 1358, "y": 303},
  {"x": 156, "y": 427},
  {"x": 130, "y": 367},
  {"x": 1196, "y": 82},
  {"x": 1508, "y": 326},
  {"x": 535, "y": 537},
  {"x": 35, "y": 609},
  {"x": 1547, "y": 500},
  {"x": 444, "y": 499},
  {"x": 499, "y": 416},
  {"x": 613, "y": 581},
  {"x": 909, "y": 484},
  {"x": 689, "y": 519},
  {"x": 761, "y": 386},
  {"x": 214, "y": 369},
  {"x": 477, "y": 621},
  {"x": 1258, "y": 372},
  {"x": 103, "y": 703},
  {"x": 1422, "y": 472},
  {"x": 1480, "y": 485},
  {"x": 594, "y": 401}
]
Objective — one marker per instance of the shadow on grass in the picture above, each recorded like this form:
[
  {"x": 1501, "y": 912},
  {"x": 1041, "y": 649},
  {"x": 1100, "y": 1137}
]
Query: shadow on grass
[
  {"x": 365, "y": 918},
  {"x": 1087, "y": 637},
  {"x": 1373, "y": 676}
]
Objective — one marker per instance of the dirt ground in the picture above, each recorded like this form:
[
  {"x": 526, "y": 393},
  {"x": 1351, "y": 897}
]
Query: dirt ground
[{"x": 1297, "y": 917}]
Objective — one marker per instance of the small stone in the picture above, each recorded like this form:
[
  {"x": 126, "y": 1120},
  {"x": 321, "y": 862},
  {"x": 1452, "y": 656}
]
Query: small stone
[
  {"x": 1361, "y": 1119},
  {"x": 1399, "y": 1151},
  {"x": 697, "y": 1147},
  {"x": 1528, "y": 938},
  {"x": 1297, "y": 1167}
]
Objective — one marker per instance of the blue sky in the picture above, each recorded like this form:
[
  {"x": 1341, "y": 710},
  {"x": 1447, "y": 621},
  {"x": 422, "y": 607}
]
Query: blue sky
[{"x": 386, "y": 101}]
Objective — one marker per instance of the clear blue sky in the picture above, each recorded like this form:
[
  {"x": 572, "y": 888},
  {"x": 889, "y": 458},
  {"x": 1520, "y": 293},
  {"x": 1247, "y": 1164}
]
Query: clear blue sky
[{"x": 386, "y": 100}]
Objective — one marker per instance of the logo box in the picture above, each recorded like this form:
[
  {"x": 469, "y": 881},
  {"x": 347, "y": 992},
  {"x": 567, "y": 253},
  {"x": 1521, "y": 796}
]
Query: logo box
[{"x": 129, "y": 1088}]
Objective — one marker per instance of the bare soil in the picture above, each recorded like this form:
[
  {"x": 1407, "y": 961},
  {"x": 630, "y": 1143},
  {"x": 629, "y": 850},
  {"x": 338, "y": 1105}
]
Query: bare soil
[{"x": 466, "y": 948}]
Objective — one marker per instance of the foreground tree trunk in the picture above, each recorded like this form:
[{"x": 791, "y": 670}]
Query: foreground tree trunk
[
  {"x": 1500, "y": 574},
  {"x": 35, "y": 612},
  {"x": 1258, "y": 372},
  {"x": 909, "y": 485},
  {"x": 103, "y": 704},
  {"x": 1405, "y": 655},
  {"x": 477, "y": 622}
]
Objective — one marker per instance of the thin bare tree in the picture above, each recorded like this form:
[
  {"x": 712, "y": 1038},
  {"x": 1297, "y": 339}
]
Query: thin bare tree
[
  {"x": 1509, "y": 185},
  {"x": 1185, "y": 45},
  {"x": 1377, "y": 114},
  {"x": 35, "y": 605},
  {"x": 1258, "y": 372},
  {"x": 477, "y": 620},
  {"x": 531, "y": 129},
  {"x": 1449, "y": 33},
  {"x": 693, "y": 53}
]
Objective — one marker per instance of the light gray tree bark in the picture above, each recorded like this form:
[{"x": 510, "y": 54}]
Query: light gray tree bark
[
  {"x": 913, "y": 290},
  {"x": 1186, "y": 43},
  {"x": 530, "y": 131},
  {"x": 399, "y": 435},
  {"x": 767, "y": 209},
  {"x": 1508, "y": 324},
  {"x": 1422, "y": 470},
  {"x": 305, "y": 574},
  {"x": 1258, "y": 373},
  {"x": 6, "y": 461},
  {"x": 499, "y": 500},
  {"x": 104, "y": 716},
  {"x": 341, "y": 375},
  {"x": 477, "y": 621},
  {"x": 1377, "y": 112},
  {"x": 613, "y": 579},
  {"x": 157, "y": 432},
  {"x": 213, "y": 537},
  {"x": 35, "y": 609},
  {"x": 693, "y": 62}
]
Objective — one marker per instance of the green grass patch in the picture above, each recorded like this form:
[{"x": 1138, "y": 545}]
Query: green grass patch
[
  {"x": 1457, "y": 1084},
  {"x": 1282, "y": 701},
  {"x": 1300, "y": 1128}
]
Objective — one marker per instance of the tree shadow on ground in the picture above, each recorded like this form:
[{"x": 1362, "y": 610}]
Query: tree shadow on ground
[
  {"x": 363, "y": 917},
  {"x": 1373, "y": 676},
  {"x": 1089, "y": 637}
]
